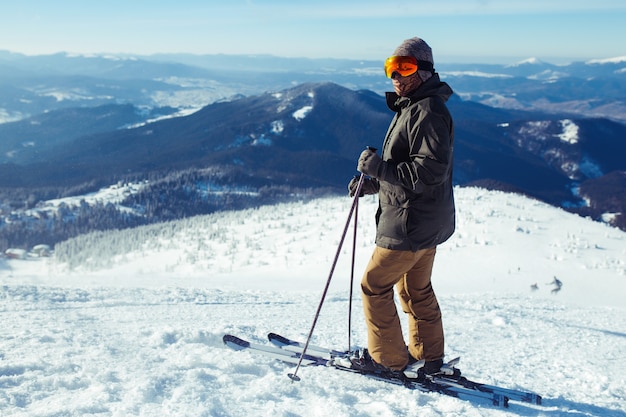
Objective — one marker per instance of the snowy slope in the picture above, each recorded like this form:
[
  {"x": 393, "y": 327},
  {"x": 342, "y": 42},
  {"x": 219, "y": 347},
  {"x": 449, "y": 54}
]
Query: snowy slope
[{"x": 141, "y": 335}]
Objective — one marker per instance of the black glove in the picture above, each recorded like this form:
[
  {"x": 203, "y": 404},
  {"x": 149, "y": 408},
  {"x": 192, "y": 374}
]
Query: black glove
[
  {"x": 372, "y": 165},
  {"x": 369, "y": 163},
  {"x": 369, "y": 186}
]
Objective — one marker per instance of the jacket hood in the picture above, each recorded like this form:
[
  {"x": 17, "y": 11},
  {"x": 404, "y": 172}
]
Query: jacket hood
[{"x": 429, "y": 88}]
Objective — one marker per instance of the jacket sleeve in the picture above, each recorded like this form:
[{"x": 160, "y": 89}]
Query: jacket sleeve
[{"x": 430, "y": 151}]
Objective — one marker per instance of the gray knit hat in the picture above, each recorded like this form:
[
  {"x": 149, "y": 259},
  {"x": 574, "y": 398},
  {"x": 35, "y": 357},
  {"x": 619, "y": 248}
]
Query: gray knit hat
[
  {"x": 415, "y": 47},
  {"x": 418, "y": 48}
]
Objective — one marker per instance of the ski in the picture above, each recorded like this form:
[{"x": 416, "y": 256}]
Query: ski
[
  {"x": 429, "y": 385},
  {"x": 293, "y": 357},
  {"x": 454, "y": 380},
  {"x": 237, "y": 343},
  {"x": 295, "y": 346},
  {"x": 512, "y": 394}
]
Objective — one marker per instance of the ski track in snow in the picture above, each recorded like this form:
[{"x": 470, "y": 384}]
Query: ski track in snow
[{"x": 133, "y": 340}]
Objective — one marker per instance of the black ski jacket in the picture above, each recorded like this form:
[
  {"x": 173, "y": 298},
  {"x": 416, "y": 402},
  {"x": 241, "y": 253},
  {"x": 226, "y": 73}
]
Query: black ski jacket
[{"x": 416, "y": 201}]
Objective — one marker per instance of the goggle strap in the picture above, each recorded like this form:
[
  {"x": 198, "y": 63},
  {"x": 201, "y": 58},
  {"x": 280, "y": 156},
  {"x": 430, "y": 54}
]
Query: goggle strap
[{"x": 425, "y": 66}]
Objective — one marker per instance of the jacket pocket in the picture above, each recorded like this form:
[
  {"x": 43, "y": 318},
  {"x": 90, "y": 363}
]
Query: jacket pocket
[{"x": 392, "y": 223}]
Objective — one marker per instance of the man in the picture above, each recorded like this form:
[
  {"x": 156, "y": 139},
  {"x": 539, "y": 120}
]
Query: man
[{"x": 413, "y": 179}]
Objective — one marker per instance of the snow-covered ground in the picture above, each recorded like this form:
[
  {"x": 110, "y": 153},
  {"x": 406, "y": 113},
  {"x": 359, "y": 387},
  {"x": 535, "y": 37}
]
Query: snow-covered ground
[{"x": 143, "y": 336}]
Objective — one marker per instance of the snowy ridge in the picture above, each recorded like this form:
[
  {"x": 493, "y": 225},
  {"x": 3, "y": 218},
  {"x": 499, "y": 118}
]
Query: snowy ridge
[
  {"x": 296, "y": 239},
  {"x": 614, "y": 60},
  {"x": 140, "y": 333}
]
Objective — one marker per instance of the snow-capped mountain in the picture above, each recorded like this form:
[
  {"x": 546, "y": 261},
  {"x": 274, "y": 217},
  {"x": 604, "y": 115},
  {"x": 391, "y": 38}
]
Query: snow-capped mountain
[
  {"x": 34, "y": 84},
  {"x": 295, "y": 141},
  {"x": 130, "y": 322},
  {"x": 82, "y": 123}
]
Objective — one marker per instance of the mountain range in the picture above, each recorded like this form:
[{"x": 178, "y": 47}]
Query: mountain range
[
  {"x": 75, "y": 123},
  {"x": 30, "y": 85}
]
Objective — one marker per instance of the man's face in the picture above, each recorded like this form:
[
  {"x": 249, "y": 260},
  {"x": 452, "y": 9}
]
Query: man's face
[{"x": 404, "y": 85}]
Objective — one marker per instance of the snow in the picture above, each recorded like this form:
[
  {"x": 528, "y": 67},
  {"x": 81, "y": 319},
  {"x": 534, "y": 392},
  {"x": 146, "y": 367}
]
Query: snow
[
  {"x": 73, "y": 94},
  {"x": 474, "y": 74},
  {"x": 277, "y": 127},
  {"x": 113, "y": 194},
  {"x": 614, "y": 60},
  {"x": 528, "y": 61},
  {"x": 143, "y": 335},
  {"x": 181, "y": 113},
  {"x": 302, "y": 113},
  {"x": 8, "y": 116},
  {"x": 570, "y": 132}
]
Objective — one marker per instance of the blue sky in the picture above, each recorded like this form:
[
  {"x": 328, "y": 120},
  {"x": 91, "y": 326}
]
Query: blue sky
[{"x": 503, "y": 31}]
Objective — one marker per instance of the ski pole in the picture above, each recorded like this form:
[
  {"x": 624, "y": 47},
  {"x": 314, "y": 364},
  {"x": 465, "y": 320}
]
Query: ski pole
[
  {"x": 294, "y": 376},
  {"x": 356, "y": 221}
]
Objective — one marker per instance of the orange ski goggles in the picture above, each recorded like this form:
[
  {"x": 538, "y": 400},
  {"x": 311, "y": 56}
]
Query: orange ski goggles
[{"x": 405, "y": 65}]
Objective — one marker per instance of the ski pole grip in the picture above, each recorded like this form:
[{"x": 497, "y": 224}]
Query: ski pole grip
[{"x": 371, "y": 148}]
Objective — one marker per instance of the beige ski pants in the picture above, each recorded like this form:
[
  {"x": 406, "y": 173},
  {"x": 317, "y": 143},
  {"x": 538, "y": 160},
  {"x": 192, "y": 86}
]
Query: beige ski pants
[{"x": 410, "y": 272}]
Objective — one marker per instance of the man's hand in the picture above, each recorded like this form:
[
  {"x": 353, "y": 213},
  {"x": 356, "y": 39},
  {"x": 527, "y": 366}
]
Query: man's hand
[
  {"x": 369, "y": 186},
  {"x": 369, "y": 163}
]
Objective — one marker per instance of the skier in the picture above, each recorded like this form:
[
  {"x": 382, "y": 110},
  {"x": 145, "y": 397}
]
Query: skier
[
  {"x": 413, "y": 180},
  {"x": 557, "y": 285}
]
